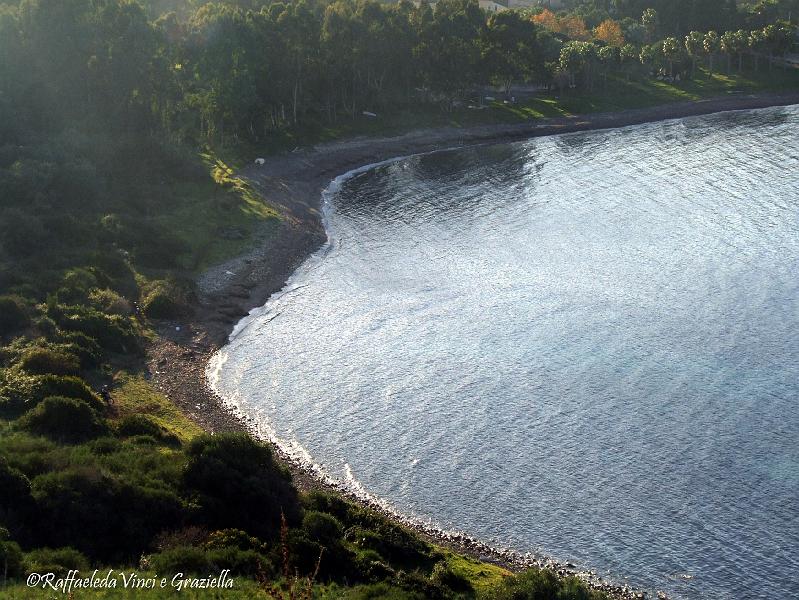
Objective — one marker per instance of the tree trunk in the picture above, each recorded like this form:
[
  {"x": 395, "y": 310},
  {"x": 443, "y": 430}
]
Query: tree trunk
[{"x": 295, "y": 94}]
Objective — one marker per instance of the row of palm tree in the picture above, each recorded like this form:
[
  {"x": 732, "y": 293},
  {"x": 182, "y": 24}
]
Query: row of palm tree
[{"x": 585, "y": 59}]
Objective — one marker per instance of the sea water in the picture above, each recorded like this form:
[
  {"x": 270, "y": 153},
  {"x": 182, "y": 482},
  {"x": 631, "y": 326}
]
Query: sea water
[{"x": 583, "y": 345}]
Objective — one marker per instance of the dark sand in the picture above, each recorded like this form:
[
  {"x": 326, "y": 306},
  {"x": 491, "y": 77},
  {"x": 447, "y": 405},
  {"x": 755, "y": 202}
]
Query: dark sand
[{"x": 293, "y": 183}]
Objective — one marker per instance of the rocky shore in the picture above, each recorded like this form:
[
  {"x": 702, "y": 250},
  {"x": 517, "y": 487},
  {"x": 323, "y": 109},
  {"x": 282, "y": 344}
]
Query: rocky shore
[{"x": 294, "y": 183}]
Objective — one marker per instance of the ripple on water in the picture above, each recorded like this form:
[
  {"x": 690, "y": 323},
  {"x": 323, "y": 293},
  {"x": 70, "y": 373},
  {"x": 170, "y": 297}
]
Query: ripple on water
[{"x": 583, "y": 344}]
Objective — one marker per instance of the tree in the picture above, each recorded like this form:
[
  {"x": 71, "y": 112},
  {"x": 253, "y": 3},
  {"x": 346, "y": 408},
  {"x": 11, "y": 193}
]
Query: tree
[
  {"x": 455, "y": 36},
  {"x": 609, "y": 60},
  {"x": 609, "y": 32},
  {"x": 629, "y": 57},
  {"x": 778, "y": 39},
  {"x": 672, "y": 51},
  {"x": 509, "y": 46},
  {"x": 579, "y": 58},
  {"x": 648, "y": 55},
  {"x": 757, "y": 41},
  {"x": 711, "y": 45},
  {"x": 695, "y": 46},
  {"x": 727, "y": 45},
  {"x": 650, "y": 21},
  {"x": 740, "y": 44}
]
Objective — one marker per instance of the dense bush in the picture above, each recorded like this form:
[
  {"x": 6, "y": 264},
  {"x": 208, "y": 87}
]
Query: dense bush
[
  {"x": 16, "y": 502},
  {"x": 234, "y": 538},
  {"x": 43, "y": 361},
  {"x": 71, "y": 387},
  {"x": 444, "y": 576},
  {"x": 11, "y": 565},
  {"x": 240, "y": 562},
  {"x": 63, "y": 419},
  {"x": 108, "y": 301},
  {"x": 541, "y": 584},
  {"x": 102, "y": 516},
  {"x": 322, "y": 528},
  {"x": 116, "y": 272},
  {"x": 392, "y": 541},
  {"x": 22, "y": 234},
  {"x": 137, "y": 425},
  {"x": 59, "y": 561},
  {"x": 20, "y": 391},
  {"x": 163, "y": 299},
  {"x": 81, "y": 345},
  {"x": 182, "y": 559},
  {"x": 236, "y": 483},
  {"x": 13, "y": 316},
  {"x": 75, "y": 286},
  {"x": 113, "y": 332}
]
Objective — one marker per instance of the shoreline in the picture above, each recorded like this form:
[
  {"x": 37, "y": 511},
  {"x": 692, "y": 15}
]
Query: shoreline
[{"x": 294, "y": 183}]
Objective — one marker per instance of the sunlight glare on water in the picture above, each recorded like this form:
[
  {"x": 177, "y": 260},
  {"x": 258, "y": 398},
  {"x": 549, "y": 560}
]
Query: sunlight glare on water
[{"x": 584, "y": 345}]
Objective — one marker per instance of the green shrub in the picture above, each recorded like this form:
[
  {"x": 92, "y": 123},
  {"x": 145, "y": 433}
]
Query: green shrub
[
  {"x": 59, "y": 561},
  {"x": 13, "y": 316},
  {"x": 417, "y": 582},
  {"x": 444, "y": 576},
  {"x": 392, "y": 541},
  {"x": 240, "y": 562},
  {"x": 106, "y": 518},
  {"x": 370, "y": 566},
  {"x": 81, "y": 345},
  {"x": 70, "y": 387},
  {"x": 113, "y": 332},
  {"x": 142, "y": 425},
  {"x": 62, "y": 419},
  {"x": 183, "y": 559},
  {"x": 234, "y": 538},
  {"x": 108, "y": 301},
  {"x": 11, "y": 565},
  {"x": 332, "y": 504},
  {"x": 236, "y": 483},
  {"x": 162, "y": 299},
  {"x": 22, "y": 234},
  {"x": 322, "y": 528},
  {"x": 43, "y": 361},
  {"x": 536, "y": 584},
  {"x": 16, "y": 501},
  {"x": 75, "y": 286},
  {"x": 20, "y": 391},
  {"x": 116, "y": 271}
]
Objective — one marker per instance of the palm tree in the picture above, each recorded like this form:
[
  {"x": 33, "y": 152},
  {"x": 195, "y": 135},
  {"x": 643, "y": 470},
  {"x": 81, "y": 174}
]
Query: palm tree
[
  {"x": 757, "y": 39},
  {"x": 727, "y": 44},
  {"x": 672, "y": 51},
  {"x": 609, "y": 59},
  {"x": 629, "y": 57},
  {"x": 711, "y": 44},
  {"x": 695, "y": 46},
  {"x": 741, "y": 44}
]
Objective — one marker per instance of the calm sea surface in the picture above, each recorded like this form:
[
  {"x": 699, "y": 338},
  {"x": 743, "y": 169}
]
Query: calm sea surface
[{"x": 584, "y": 345}]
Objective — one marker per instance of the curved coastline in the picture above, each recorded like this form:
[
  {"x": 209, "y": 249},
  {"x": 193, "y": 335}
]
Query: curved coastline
[{"x": 299, "y": 183}]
